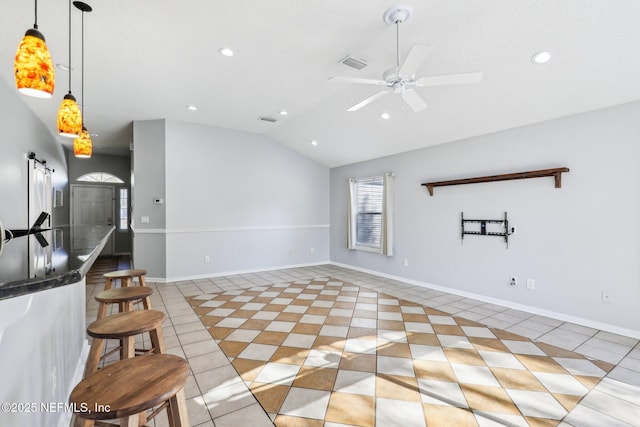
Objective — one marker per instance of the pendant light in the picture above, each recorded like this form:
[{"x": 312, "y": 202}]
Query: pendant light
[
  {"x": 69, "y": 115},
  {"x": 82, "y": 145},
  {"x": 32, "y": 66}
]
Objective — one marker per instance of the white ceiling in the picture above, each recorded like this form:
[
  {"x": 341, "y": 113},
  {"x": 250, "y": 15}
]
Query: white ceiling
[{"x": 149, "y": 59}]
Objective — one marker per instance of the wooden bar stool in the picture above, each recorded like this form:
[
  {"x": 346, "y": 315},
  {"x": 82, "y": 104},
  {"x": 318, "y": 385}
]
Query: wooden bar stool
[
  {"x": 124, "y": 297},
  {"x": 128, "y": 388},
  {"x": 124, "y": 327},
  {"x": 125, "y": 277}
]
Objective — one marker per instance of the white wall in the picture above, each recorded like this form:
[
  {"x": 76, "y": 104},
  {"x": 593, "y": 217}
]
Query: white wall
[
  {"x": 242, "y": 199},
  {"x": 574, "y": 241}
]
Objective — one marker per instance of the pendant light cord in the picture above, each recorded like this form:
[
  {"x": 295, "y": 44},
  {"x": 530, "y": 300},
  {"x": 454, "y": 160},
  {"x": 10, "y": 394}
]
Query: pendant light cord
[
  {"x": 82, "y": 78},
  {"x": 35, "y": 24},
  {"x": 69, "y": 46}
]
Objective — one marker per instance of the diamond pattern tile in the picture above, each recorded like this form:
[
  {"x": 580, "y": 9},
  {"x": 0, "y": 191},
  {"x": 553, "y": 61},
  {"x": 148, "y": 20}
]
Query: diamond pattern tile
[{"x": 324, "y": 351}]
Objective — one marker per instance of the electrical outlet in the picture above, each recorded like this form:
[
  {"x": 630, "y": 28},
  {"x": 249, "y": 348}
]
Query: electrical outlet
[
  {"x": 312, "y": 251},
  {"x": 513, "y": 281},
  {"x": 531, "y": 284},
  {"x": 606, "y": 297},
  {"x": 405, "y": 263},
  {"x": 207, "y": 259}
]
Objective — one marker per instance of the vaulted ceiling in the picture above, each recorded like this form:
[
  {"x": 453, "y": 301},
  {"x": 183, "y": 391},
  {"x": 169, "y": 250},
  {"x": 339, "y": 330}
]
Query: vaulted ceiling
[{"x": 150, "y": 59}]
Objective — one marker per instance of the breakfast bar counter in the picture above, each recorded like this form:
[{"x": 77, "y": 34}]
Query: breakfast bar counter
[{"x": 43, "y": 344}]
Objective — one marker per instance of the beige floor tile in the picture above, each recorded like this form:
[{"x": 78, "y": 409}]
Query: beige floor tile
[
  {"x": 306, "y": 327},
  {"x": 438, "y": 415},
  {"x": 316, "y": 378},
  {"x": 351, "y": 409}
]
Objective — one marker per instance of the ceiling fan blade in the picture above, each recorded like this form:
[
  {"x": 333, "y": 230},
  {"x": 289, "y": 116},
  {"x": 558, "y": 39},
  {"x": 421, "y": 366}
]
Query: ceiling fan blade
[
  {"x": 414, "y": 100},
  {"x": 417, "y": 55},
  {"x": 369, "y": 100},
  {"x": 357, "y": 80},
  {"x": 449, "y": 79}
]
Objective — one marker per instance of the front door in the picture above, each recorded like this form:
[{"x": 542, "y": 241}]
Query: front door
[{"x": 92, "y": 205}]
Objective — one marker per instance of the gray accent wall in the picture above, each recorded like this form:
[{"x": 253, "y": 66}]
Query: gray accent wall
[
  {"x": 23, "y": 132},
  {"x": 240, "y": 199},
  {"x": 574, "y": 242},
  {"x": 148, "y": 181}
]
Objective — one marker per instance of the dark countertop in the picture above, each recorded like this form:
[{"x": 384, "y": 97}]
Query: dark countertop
[{"x": 27, "y": 267}]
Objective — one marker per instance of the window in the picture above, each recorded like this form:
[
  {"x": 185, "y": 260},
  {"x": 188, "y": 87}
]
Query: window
[
  {"x": 370, "y": 214},
  {"x": 123, "y": 225},
  {"x": 104, "y": 177}
]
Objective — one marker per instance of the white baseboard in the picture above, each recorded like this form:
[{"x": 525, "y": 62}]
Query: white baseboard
[
  {"x": 231, "y": 273},
  {"x": 522, "y": 307}
]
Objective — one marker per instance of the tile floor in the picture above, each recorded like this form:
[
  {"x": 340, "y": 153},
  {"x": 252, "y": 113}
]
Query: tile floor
[{"x": 302, "y": 366}]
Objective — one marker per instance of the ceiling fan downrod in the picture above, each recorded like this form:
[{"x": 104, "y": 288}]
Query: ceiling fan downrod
[{"x": 397, "y": 15}]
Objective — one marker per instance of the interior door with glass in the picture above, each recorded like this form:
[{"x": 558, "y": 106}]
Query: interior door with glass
[{"x": 92, "y": 205}]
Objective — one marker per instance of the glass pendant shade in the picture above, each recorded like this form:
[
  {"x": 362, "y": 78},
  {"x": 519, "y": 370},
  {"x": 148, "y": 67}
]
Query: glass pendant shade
[
  {"x": 69, "y": 117},
  {"x": 82, "y": 145},
  {"x": 33, "y": 68}
]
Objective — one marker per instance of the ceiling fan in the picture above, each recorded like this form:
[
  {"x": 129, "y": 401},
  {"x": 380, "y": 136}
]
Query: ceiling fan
[{"x": 402, "y": 77}]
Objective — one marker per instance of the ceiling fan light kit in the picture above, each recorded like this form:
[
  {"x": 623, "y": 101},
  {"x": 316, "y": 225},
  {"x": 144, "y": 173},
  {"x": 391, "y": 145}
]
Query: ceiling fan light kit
[{"x": 401, "y": 78}]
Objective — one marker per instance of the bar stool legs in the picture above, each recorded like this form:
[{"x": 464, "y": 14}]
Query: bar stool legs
[{"x": 124, "y": 327}]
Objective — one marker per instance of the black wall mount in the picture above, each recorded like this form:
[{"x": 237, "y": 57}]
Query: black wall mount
[{"x": 505, "y": 232}]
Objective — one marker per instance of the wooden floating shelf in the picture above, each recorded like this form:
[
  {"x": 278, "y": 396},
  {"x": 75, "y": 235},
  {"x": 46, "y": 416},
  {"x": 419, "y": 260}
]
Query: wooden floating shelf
[{"x": 555, "y": 173}]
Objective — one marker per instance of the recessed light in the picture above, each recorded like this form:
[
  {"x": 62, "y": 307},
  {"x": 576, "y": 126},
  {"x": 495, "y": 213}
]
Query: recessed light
[
  {"x": 225, "y": 51},
  {"x": 192, "y": 108},
  {"x": 385, "y": 116},
  {"x": 283, "y": 112},
  {"x": 314, "y": 142},
  {"x": 541, "y": 57}
]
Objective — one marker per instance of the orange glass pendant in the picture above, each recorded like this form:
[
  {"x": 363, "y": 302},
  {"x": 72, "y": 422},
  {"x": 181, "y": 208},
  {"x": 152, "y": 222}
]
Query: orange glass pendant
[
  {"x": 33, "y": 67},
  {"x": 82, "y": 145},
  {"x": 69, "y": 117}
]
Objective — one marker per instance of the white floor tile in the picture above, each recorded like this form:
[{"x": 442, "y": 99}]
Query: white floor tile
[
  {"x": 253, "y": 416},
  {"x": 583, "y": 416},
  {"x": 391, "y": 412},
  {"x": 355, "y": 382},
  {"x": 561, "y": 383},
  {"x": 258, "y": 351},
  {"x": 454, "y": 341},
  {"x": 278, "y": 373},
  {"x": 299, "y": 340},
  {"x": 307, "y": 403},
  {"x": 497, "y": 359},
  {"x": 427, "y": 352},
  {"x": 470, "y": 374},
  {"x": 441, "y": 393},
  {"x": 395, "y": 366}
]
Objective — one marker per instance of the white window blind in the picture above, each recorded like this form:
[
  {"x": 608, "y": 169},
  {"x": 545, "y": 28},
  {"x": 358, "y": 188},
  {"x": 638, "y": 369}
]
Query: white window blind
[
  {"x": 369, "y": 193},
  {"x": 370, "y": 214}
]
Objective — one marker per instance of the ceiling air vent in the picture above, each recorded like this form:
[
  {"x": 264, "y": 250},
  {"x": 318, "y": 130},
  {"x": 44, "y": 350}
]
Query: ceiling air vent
[
  {"x": 358, "y": 64},
  {"x": 267, "y": 119}
]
